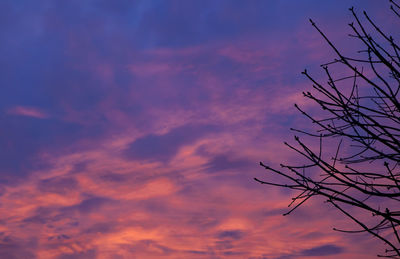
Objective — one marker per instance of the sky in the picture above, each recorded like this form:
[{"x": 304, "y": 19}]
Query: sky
[{"x": 134, "y": 129}]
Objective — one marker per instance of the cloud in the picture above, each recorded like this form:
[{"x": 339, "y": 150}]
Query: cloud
[
  {"x": 28, "y": 112},
  {"x": 324, "y": 250},
  {"x": 163, "y": 147},
  {"x": 220, "y": 163},
  {"x": 26, "y": 139},
  {"x": 92, "y": 253},
  {"x": 60, "y": 185},
  {"x": 152, "y": 120},
  {"x": 14, "y": 248},
  {"x": 231, "y": 234},
  {"x": 151, "y": 248},
  {"x": 91, "y": 205}
]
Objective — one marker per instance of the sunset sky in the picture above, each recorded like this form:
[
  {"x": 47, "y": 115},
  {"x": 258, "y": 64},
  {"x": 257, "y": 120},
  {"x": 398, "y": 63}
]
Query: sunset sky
[{"x": 134, "y": 129}]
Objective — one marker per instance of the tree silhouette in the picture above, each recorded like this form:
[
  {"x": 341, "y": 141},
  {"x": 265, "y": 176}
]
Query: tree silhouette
[{"x": 360, "y": 119}]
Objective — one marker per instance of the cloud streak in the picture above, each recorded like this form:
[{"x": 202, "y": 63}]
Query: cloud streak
[{"x": 28, "y": 112}]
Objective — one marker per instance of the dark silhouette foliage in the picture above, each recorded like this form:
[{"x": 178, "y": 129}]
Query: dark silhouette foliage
[{"x": 355, "y": 166}]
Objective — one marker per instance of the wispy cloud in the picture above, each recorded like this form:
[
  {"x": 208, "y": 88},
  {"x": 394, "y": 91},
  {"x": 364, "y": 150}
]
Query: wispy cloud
[{"x": 28, "y": 112}]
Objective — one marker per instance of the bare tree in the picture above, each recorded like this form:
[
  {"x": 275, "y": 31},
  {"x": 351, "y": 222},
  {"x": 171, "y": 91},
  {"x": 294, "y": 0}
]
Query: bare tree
[{"x": 360, "y": 113}]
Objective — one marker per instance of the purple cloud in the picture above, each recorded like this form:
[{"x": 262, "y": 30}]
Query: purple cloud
[
  {"x": 165, "y": 146},
  {"x": 324, "y": 250}
]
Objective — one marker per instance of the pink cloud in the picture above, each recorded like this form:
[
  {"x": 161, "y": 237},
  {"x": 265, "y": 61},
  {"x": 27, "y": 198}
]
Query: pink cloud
[
  {"x": 28, "y": 112},
  {"x": 116, "y": 207}
]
